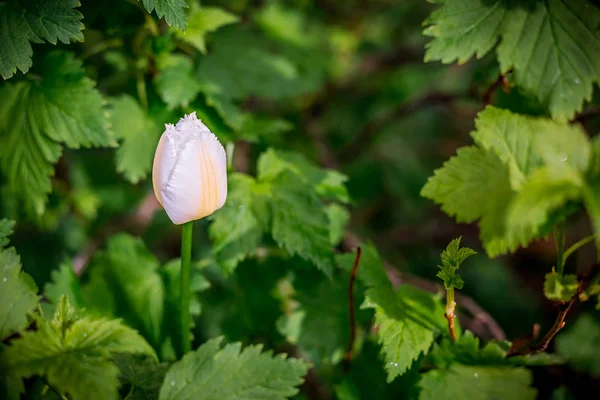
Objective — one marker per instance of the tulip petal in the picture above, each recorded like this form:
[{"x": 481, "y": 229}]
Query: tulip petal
[{"x": 190, "y": 171}]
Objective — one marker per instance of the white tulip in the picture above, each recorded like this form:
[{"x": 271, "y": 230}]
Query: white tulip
[{"x": 190, "y": 171}]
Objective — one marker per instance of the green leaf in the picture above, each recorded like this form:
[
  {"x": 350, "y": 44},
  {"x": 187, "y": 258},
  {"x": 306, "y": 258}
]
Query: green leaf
[
  {"x": 562, "y": 36},
  {"x": 339, "y": 217},
  {"x": 466, "y": 351},
  {"x": 22, "y": 22},
  {"x": 300, "y": 224},
  {"x": 462, "y": 28},
  {"x": 328, "y": 183},
  {"x": 136, "y": 293},
  {"x": 580, "y": 344},
  {"x": 203, "y": 20},
  {"x": 454, "y": 255},
  {"x": 242, "y": 64},
  {"x": 402, "y": 341},
  {"x": 139, "y": 135},
  {"x": 140, "y": 378},
  {"x": 560, "y": 287},
  {"x": 541, "y": 195},
  {"x": 510, "y": 137},
  {"x": 216, "y": 372},
  {"x": 475, "y": 185},
  {"x": 236, "y": 231},
  {"x": 57, "y": 348},
  {"x": 172, "y": 10},
  {"x": 591, "y": 195},
  {"x": 18, "y": 291},
  {"x": 64, "y": 283},
  {"x": 62, "y": 107},
  {"x": 518, "y": 183},
  {"x": 175, "y": 80},
  {"x": 468, "y": 382},
  {"x": 254, "y": 128}
]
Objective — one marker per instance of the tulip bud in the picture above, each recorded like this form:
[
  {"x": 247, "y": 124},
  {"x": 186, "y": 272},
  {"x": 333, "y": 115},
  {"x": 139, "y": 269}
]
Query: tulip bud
[{"x": 190, "y": 171}]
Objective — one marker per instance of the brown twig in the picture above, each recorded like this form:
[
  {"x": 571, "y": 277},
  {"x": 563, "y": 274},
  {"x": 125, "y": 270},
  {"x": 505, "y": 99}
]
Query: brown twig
[
  {"x": 348, "y": 356},
  {"x": 501, "y": 81},
  {"x": 559, "y": 322},
  {"x": 449, "y": 315}
]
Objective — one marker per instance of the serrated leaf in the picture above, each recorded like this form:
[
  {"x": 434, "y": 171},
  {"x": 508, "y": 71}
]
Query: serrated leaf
[
  {"x": 560, "y": 287},
  {"x": 140, "y": 378},
  {"x": 62, "y": 107},
  {"x": 300, "y": 224},
  {"x": 216, "y": 372},
  {"x": 139, "y": 135},
  {"x": 510, "y": 137},
  {"x": 175, "y": 81},
  {"x": 339, "y": 217},
  {"x": 135, "y": 293},
  {"x": 57, "y": 348},
  {"x": 203, "y": 20},
  {"x": 64, "y": 283},
  {"x": 468, "y": 382},
  {"x": 172, "y": 10},
  {"x": 402, "y": 341},
  {"x": 327, "y": 183},
  {"x": 475, "y": 185},
  {"x": 236, "y": 230},
  {"x": 454, "y": 255},
  {"x": 580, "y": 344},
  {"x": 22, "y": 22},
  {"x": 18, "y": 291},
  {"x": 561, "y": 36},
  {"x": 242, "y": 64}
]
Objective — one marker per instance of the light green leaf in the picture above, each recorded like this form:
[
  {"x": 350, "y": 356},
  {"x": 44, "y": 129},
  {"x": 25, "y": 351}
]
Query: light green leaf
[
  {"x": 300, "y": 224},
  {"x": 561, "y": 36},
  {"x": 454, "y": 255},
  {"x": 228, "y": 373},
  {"x": 580, "y": 344},
  {"x": 511, "y": 137},
  {"x": 64, "y": 283},
  {"x": 139, "y": 135},
  {"x": 286, "y": 25},
  {"x": 22, "y": 22},
  {"x": 175, "y": 81},
  {"x": 541, "y": 195},
  {"x": 475, "y": 185},
  {"x": 236, "y": 231},
  {"x": 172, "y": 10},
  {"x": 18, "y": 292},
  {"x": 57, "y": 348},
  {"x": 591, "y": 195},
  {"x": 402, "y": 341},
  {"x": 62, "y": 107},
  {"x": 254, "y": 128},
  {"x": 478, "y": 383},
  {"x": 339, "y": 217},
  {"x": 203, "y": 20},
  {"x": 560, "y": 287},
  {"x": 129, "y": 274}
]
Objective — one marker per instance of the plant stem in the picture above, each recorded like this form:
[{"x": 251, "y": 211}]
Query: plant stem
[
  {"x": 559, "y": 238},
  {"x": 186, "y": 266},
  {"x": 559, "y": 323},
  {"x": 348, "y": 355},
  {"x": 575, "y": 246},
  {"x": 450, "y": 307}
]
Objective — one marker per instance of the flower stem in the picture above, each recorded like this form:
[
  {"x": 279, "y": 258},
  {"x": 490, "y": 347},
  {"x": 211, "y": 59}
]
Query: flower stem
[
  {"x": 450, "y": 308},
  {"x": 186, "y": 266},
  {"x": 575, "y": 246}
]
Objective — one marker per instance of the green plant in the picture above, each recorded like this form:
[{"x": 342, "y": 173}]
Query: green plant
[{"x": 316, "y": 279}]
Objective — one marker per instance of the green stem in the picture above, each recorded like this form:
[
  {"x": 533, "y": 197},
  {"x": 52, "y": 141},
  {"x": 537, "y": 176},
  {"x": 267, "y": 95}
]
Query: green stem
[
  {"x": 450, "y": 308},
  {"x": 575, "y": 246},
  {"x": 186, "y": 268},
  {"x": 559, "y": 238}
]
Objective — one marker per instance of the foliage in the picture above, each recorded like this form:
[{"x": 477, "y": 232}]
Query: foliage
[{"x": 320, "y": 276}]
